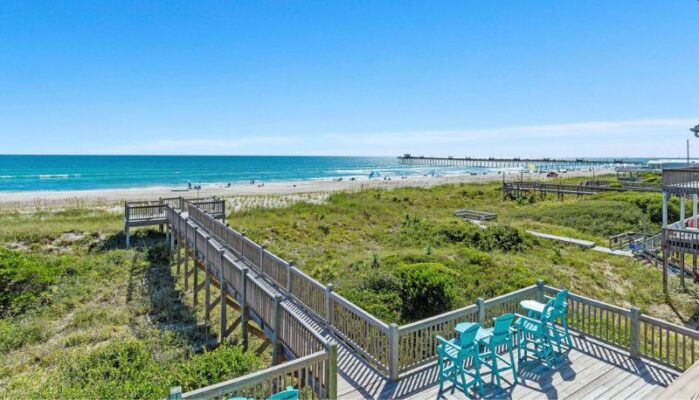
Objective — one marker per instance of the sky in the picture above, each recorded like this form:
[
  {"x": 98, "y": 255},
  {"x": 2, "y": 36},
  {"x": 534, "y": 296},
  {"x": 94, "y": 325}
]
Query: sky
[{"x": 464, "y": 78}]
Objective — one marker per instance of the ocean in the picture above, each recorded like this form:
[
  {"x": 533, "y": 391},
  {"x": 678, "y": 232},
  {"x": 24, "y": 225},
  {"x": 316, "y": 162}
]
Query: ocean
[
  {"x": 55, "y": 173},
  {"x": 62, "y": 172}
]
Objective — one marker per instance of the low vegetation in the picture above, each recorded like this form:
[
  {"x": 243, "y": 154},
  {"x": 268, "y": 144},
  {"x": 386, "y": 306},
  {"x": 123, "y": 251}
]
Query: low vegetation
[
  {"x": 392, "y": 252},
  {"x": 81, "y": 317}
]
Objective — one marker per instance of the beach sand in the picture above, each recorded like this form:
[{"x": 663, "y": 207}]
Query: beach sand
[{"x": 305, "y": 190}]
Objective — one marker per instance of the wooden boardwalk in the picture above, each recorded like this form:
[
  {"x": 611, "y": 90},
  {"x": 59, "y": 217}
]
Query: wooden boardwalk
[{"x": 334, "y": 347}]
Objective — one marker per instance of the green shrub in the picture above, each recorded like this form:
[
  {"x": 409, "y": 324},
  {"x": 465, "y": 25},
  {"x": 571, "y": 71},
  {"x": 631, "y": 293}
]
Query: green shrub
[
  {"x": 23, "y": 280},
  {"x": 426, "y": 289},
  {"x": 499, "y": 237},
  {"x": 128, "y": 369}
]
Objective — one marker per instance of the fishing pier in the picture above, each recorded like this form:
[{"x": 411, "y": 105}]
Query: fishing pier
[
  {"x": 535, "y": 164},
  {"x": 328, "y": 347}
]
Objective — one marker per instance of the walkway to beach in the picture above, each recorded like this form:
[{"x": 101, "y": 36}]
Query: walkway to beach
[{"x": 336, "y": 349}]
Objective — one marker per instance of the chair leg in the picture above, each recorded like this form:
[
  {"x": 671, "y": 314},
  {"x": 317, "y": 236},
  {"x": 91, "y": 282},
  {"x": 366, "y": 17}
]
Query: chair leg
[
  {"x": 477, "y": 368},
  {"x": 512, "y": 361},
  {"x": 557, "y": 336},
  {"x": 441, "y": 376},
  {"x": 564, "y": 322},
  {"x": 496, "y": 371}
]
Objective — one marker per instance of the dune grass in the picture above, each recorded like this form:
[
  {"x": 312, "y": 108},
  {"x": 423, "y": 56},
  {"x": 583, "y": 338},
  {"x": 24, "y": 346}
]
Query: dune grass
[
  {"x": 81, "y": 317},
  {"x": 360, "y": 241}
]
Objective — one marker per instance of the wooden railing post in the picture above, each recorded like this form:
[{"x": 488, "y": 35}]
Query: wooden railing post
[
  {"x": 195, "y": 271},
  {"x": 186, "y": 255},
  {"x": 540, "y": 290},
  {"x": 289, "y": 274},
  {"x": 244, "y": 307},
  {"x": 178, "y": 247},
  {"x": 262, "y": 258},
  {"x": 481, "y": 310},
  {"x": 393, "y": 351},
  {"x": 242, "y": 239},
  {"x": 127, "y": 218},
  {"x": 207, "y": 289},
  {"x": 224, "y": 305},
  {"x": 328, "y": 305},
  {"x": 635, "y": 332},
  {"x": 331, "y": 379},
  {"x": 276, "y": 328}
]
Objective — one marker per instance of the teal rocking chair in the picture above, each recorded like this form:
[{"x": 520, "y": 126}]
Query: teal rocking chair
[
  {"x": 533, "y": 335},
  {"x": 497, "y": 336},
  {"x": 453, "y": 356}
]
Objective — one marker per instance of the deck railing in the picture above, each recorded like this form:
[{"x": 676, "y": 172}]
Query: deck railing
[
  {"x": 310, "y": 375},
  {"x": 681, "y": 181},
  {"x": 629, "y": 329}
]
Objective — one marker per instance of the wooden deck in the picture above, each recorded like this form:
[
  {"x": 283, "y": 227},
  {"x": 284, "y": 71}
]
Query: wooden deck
[{"x": 590, "y": 371}]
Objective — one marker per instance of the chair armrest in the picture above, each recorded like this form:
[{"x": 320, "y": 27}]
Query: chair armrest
[
  {"x": 527, "y": 318},
  {"x": 447, "y": 343}
]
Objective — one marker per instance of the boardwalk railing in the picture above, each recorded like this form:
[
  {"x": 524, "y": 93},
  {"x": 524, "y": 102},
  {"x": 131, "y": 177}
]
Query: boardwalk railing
[
  {"x": 519, "y": 187},
  {"x": 365, "y": 333},
  {"x": 144, "y": 213},
  {"x": 315, "y": 358},
  {"x": 308, "y": 374}
]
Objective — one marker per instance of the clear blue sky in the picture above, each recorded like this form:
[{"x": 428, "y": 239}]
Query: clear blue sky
[{"x": 496, "y": 78}]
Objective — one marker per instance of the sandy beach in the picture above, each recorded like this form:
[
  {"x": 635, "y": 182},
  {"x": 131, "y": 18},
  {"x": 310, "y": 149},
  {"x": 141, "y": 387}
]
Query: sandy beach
[{"x": 44, "y": 199}]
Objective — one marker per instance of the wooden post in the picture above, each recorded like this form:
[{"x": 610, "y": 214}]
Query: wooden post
[
  {"x": 635, "y": 332},
  {"x": 244, "y": 307},
  {"x": 276, "y": 328},
  {"x": 175, "y": 393},
  {"x": 481, "y": 310},
  {"x": 682, "y": 215},
  {"x": 262, "y": 257},
  {"x": 694, "y": 268},
  {"x": 394, "y": 346},
  {"x": 289, "y": 274},
  {"x": 682, "y": 268},
  {"x": 331, "y": 379},
  {"x": 195, "y": 279},
  {"x": 222, "y": 286},
  {"x": 540, "y": 290},
  {"x": 207, "y": 290},
  {"x": 160, "y": 209},
  {"x": 178, "y": 249},
  {"x": 664, "y": 210},
  {"x": 127, "y": 218},
  {"x": 186, "y": 256},
  {"x": 242, "y": 239},
  {"x": 328, "y": 305},
  {"x": 665, "y": 290}
]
